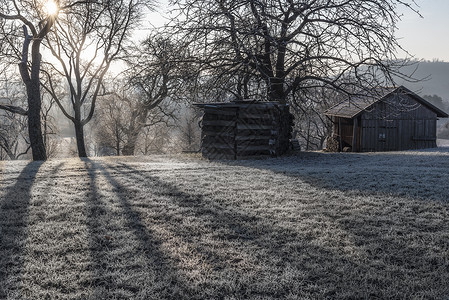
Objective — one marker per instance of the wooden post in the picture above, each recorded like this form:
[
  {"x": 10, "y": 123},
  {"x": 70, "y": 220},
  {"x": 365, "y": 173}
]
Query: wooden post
[
  {"x": 354, "y": 135},
  {"x": 339, "y": 134}
]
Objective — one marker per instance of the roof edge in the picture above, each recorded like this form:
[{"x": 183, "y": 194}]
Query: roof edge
[{"x": 440, "y": 113}]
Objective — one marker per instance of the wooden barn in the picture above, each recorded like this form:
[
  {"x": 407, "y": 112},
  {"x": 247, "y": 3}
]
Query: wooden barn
[
  {"x": 240, "y": 129},
  {"x": 389, "y": 119}
]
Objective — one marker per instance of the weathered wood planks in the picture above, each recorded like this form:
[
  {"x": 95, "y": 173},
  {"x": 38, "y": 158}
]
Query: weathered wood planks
[{"x": 245, "y": 129}]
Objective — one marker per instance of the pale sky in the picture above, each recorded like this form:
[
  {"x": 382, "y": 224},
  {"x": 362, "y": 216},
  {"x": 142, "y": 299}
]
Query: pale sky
[{"x": 425, "y": 37}]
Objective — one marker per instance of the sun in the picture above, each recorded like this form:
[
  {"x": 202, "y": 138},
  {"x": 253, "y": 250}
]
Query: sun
[{"x": 51, "y": 8}]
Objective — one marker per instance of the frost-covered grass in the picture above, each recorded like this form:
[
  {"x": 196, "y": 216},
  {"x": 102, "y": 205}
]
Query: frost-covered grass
[{"x": 309, "y": 226}]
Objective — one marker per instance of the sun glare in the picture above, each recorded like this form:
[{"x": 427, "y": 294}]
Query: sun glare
[{"x": 51, "y": 8}]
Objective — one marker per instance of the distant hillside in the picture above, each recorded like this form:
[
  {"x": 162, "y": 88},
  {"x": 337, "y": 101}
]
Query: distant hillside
[
  {"x": 435, "y": 75},
  {"x": 437, "y": 82}
]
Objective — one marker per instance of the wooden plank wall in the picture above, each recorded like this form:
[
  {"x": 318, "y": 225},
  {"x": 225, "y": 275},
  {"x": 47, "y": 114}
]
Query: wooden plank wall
[
  {"x": 398, "y": 123},
  {"x": 218, "y": 133},
  {"x": 346, "y": 132},
  {"x": 246, "y": 130}
]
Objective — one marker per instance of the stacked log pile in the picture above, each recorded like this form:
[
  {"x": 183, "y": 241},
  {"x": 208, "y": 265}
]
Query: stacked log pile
[
  {"x": 332, "y": 144},
  {"x": 218, "y": 132},
  {"x": 244, "y": 129}
]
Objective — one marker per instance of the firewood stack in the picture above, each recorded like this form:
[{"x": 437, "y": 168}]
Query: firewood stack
[
  {"x": 332, "y": 144},
  {"x": 245, "y": 129}
]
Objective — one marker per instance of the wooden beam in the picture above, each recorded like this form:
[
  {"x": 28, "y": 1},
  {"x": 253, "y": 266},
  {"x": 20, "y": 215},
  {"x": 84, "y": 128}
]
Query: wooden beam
[
  {"x": 254, "y": 127},
  {"x": 354, "y": 135},
  {"x": 219, "y": 123},
  {"x": 339, "y": 135}
]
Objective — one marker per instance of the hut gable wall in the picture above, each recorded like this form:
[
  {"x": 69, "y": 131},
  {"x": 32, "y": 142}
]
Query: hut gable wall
[
  {"x": 398, "y": 106},
  {"x": 398, "y": 122}
]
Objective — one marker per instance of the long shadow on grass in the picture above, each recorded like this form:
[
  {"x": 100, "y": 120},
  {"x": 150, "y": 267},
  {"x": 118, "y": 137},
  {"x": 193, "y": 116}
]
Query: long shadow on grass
[
  {"x": 101, "y": 282},
  {"x": 393, "y": 220},
  {"x": 251, "y": 256},
  {"x": 406, "y": 174},
  {"x": 379, "y": 258},
  {"x": 155, "y": 278},
  {"x": 13, "y": 234}
]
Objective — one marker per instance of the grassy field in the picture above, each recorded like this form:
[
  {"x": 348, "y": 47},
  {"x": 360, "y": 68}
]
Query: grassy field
[{"x": 309, "y": 226}]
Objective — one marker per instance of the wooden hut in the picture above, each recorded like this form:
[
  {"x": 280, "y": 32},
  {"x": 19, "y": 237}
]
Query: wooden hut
[
  {"x": 241, "y": 129},
  {"x": 388, "y": 119}
]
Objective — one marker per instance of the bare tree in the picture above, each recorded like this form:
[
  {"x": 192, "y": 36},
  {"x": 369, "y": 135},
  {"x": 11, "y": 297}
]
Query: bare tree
[
  {"x": 86, "y": 41},
  {"x": 81, "y": 24},
  {"x": 154, "y": 140},
  {"x": 49, "y": 127},
  {"x": 159, "y": 72},
  {"x": 13, "y": 138},
  {"x": 14, "y": 142},
  {"x": 13, "y": 124},
  {"x": 36, "y": 24},
  {"x": 443, "y": 131},
  {"x": 120, "y": 119},
  {"x": 312, "y": 127},
  {"x": 279, "y": 47},
  {"x": 111, "y": 119},
  {"x": 189, "y": 134}
]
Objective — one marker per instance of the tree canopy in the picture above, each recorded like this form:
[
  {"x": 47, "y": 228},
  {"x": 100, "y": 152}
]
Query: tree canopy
[
  {"x": 87, "y": 39},
  {"x": 274, "y": 48},
  {"x": 84, "y": 37}
]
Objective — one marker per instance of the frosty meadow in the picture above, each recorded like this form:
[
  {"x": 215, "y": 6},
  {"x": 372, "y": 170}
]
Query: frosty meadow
[{"x": 310, "y": 226}]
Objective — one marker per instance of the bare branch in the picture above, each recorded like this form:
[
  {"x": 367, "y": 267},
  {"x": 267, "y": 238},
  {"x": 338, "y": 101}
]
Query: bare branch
[{"x": 14, "y": 109}]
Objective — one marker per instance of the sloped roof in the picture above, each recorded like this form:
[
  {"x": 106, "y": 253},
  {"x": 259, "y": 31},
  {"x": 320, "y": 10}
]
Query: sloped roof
[
  {"x": 240, "y": 103},
  {"x": 352, "y": 107}
]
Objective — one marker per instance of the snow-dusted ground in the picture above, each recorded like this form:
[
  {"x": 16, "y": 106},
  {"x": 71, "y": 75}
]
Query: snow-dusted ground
[
  {"x": 312, "y": 225},
  {"x": 420, "y": 174}
]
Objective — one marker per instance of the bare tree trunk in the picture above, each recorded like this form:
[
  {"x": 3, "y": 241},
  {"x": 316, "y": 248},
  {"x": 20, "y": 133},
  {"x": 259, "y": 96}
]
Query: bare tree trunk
[
  {"x": 133, "y": 132},
  {"x": 79, "y": 133},
  {"x": 276, "y": 90},
  {"x": 130, "y": 145},
  {"x": 32, "y": 83},
  {"x": 308, "y": 135},
  {"x": 322, "y": 139},
  {"x": 34, "y": 123},
  {"x": 10, "y": 154},
  {"x": 117, "y": 140}
]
